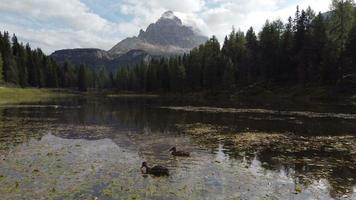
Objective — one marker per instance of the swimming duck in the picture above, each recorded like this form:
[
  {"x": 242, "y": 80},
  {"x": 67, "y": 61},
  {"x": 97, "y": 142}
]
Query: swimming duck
[
  {"x": 179, "y": 153},
  {"x": 156, "y": 170}
]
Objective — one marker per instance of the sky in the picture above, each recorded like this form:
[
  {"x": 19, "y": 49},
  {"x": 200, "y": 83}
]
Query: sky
[{"x": 59, "y": 24}]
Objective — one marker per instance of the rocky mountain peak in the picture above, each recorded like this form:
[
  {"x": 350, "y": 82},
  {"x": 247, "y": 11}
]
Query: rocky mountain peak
[{"x": 166, "y": 36}]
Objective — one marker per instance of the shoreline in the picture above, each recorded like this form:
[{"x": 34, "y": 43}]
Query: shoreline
[{"x": 12, "y": 95}]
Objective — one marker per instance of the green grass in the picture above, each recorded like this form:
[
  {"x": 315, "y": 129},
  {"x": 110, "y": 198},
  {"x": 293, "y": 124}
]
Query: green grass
[{"x": 19, "y": 95}]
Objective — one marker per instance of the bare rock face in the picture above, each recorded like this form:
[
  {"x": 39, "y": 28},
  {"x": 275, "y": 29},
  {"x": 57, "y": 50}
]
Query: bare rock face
[
  {"x": 168, "y": 36},
  {"x": 169, "y": 30}
]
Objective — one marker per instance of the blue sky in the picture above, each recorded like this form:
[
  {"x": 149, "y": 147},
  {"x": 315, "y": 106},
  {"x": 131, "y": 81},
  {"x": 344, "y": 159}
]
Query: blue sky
[{"x": 59, "y": 24}]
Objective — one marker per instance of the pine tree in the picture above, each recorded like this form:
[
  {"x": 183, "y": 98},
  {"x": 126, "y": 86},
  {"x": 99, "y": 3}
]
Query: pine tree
[
  {"x": 1, "y": 70},
  {"x": 82, "y": 79},
  {"x": 241, "y": 69},
  {"x": 317, "y": 43},
  {"x": 270, "y": 39},
  {"x": 340, "y": 25},
  {"x": 211, "y": 55},
  {"x": 341, "y": 21},
  {"x": 122, "y": 79},
  {"x": 288, "y": 69},
  {"x": 194, "y": 70},
  {"x": 22, "y": 69},
  {"x": 9, "y": 64},
  {"x": 32, "y": 76},
  {"x": 351, "y": 51},
  {"x": 228, "y": 81},
  {"x": 103, "y": 78},
  {"x": 252, "y": 55},
  {"x": 299, "y": 45},
  {"x": 177, "y": 76}
]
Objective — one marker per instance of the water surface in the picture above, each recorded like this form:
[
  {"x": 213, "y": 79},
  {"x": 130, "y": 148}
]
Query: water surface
[{"x": 81, "y": 148}]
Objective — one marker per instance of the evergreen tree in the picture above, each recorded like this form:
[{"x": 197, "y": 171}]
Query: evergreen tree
[
  {"x": 318, "y": 43},
  {"x": 10, "y": 68},
  {"x": 177, "y": 76},
  {"x": 341, "y": 21},
  {"x": 251, "y": 56},
  {"x": 288, "y": 69},
  {"x": 270, "y": 38},
  {"x": 241, "y": 68},
  {"x": 228, "y": 81},
  {"x": 340, "y": 25},
  {"x": 103, "y": 78},
  {"x": 30, "y": 67},
  {"x": 82, "y": 79},
  {"x": 122, "y": 79},
  {"x": 1, "y": 70},
  {"x": 194, "y": 68},
  {"x": 211, "y": 59},
  {"x": 351, "y": 51}
]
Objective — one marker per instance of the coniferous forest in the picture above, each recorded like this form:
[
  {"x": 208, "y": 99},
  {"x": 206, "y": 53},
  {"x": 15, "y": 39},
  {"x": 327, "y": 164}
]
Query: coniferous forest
[{"x": 315, "y": 49}]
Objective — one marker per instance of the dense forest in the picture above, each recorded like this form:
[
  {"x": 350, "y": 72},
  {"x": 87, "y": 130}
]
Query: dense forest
[{"x": 310, "y": 49}]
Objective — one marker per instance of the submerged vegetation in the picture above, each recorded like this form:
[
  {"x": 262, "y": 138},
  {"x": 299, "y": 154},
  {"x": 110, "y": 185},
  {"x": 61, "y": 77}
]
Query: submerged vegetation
[
  {"x": 263, "y": 111},
  {"x": 314, "y": 158}
]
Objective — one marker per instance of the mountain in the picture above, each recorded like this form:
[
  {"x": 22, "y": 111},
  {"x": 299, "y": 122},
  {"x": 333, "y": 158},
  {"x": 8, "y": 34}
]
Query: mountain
[
  {"x": 167, "y": 37},
  {"x": 76, "y": 56},
  {"x": 97, "y": 58}
]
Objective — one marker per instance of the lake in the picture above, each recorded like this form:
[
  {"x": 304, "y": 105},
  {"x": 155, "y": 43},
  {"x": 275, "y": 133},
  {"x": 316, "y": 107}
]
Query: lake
[{"x": 81, "y": 148}]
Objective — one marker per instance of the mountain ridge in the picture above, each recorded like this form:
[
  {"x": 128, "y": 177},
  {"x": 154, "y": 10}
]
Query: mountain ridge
[{"x": 168, "y": 36}]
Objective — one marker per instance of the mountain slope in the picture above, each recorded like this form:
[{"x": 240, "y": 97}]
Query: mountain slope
[{"x": 97, "y": 58}]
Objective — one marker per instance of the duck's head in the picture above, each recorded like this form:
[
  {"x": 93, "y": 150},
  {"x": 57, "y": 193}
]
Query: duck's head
[
  {"x": 144, "y": 164},
  {"x": 173, "y": 149},
  {"x": 144, "y": 168}
]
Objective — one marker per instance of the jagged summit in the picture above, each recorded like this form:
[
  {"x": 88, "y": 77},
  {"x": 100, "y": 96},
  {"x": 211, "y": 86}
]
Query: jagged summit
[{"x": 169, "y": 15}]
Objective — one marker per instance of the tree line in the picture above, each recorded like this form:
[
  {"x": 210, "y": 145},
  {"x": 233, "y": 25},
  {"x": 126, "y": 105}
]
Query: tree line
[
  {"x": 22, "y": 66},
  {"x": 309, "y": 49},
  {"x": 25, "y": 67}
]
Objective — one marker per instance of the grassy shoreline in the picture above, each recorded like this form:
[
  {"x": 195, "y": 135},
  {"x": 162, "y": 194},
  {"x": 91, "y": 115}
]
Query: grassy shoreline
[
  {"x": 10, "y": 95},
  {"x": 256, "y": 95}
]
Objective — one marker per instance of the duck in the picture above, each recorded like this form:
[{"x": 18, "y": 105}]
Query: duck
[
  {"x": 174, "y": 152},
  {"x": 156, "y": 170}
]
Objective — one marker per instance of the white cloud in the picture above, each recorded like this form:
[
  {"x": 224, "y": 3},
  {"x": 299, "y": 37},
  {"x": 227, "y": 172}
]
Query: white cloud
[
  {"x": 75, "y": 25},
  {"x": 71, "y": 24},
  {"x": 243, "y": 14},
  {"x": 222, "y": 16},
  {"x": 72, "y": 12}
]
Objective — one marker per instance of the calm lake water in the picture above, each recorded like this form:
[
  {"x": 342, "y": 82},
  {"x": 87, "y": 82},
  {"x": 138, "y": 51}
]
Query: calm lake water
[{"x": 81, "y": 148}]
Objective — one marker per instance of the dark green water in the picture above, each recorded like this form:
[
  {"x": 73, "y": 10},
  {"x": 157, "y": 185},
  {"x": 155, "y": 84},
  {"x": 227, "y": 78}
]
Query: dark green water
[{"x": 82, "y": 148}]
